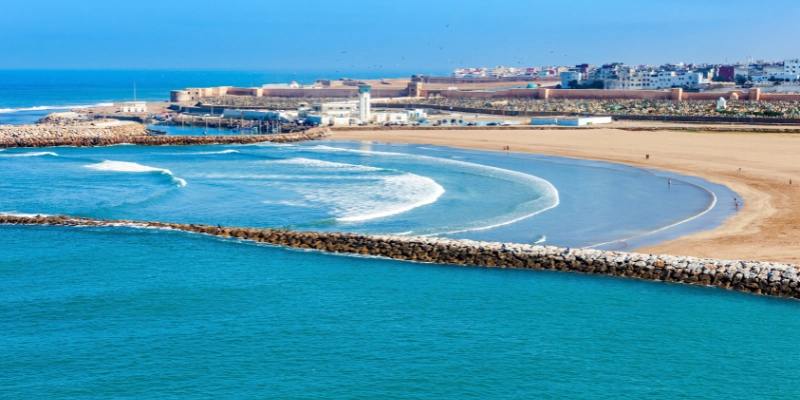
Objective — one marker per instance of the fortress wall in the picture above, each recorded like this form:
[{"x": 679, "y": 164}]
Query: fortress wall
[
  {"x": 457, "y": 94},
  {"x": 714, "y": 95},
  {"x": 779, "y": 97},
  {"x": 773, "y": 279},
  {"x": 599, "y": 94},
  {"x": 343, "y": 92}
]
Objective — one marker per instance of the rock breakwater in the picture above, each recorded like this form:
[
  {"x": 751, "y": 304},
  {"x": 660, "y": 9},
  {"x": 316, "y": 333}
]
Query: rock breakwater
[
  {"x": 773, "y": 279},
  {"x": 51, "y": 136}
]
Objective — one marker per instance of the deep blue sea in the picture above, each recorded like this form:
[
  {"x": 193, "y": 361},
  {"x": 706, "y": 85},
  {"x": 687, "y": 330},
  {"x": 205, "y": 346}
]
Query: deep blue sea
[{"x": 140, "y": 313}]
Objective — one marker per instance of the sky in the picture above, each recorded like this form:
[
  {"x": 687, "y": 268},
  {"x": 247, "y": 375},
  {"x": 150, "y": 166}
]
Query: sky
[{"x": 408, "y": 35}]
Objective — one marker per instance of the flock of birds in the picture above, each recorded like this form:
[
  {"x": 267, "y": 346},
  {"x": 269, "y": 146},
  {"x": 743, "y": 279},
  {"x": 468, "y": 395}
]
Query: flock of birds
[{"x": 348, "y": 60}]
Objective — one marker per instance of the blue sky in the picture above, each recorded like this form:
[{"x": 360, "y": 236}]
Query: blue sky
[{"x": 356, "y": 35}]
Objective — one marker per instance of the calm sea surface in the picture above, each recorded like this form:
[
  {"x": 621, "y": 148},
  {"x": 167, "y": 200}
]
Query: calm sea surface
[{"x": 125, "y": 312}]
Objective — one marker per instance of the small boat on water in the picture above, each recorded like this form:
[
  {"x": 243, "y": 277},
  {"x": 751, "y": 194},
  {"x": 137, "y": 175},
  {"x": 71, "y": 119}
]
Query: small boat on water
[{"x": 156, "y": 132}]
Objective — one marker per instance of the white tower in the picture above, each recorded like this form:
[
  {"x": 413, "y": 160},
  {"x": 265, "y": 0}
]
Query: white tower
[{"x": 364, "y": 111}]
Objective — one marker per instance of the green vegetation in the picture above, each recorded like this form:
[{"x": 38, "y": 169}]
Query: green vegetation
[{"x": 593, "y": 85}]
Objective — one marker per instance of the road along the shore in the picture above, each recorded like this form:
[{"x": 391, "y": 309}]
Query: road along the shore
[{"x": 773, "y": 279}]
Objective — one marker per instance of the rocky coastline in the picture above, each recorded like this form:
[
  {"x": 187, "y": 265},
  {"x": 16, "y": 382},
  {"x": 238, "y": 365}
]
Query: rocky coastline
[
  {"x": 52, "y": 136},
  {"x": 767, "y": 278}
]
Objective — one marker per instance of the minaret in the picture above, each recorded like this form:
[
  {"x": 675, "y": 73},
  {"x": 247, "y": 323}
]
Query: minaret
[{"x": 364, "y": 111}]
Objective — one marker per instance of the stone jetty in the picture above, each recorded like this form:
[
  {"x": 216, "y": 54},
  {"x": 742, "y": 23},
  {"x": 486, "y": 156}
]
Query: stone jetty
[
  {"x": 87, "y": 136},
  {"x": 773, "y": 279}
]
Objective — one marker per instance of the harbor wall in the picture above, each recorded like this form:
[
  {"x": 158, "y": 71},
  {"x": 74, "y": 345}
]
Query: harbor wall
[
  {"x": 51, "y": 136},
  {"x": 773, "y": 279}
]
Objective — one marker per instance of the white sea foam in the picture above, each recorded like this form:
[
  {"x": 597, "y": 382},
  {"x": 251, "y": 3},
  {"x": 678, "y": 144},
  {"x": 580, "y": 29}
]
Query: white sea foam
[
  {"x": 390, "y": 196},
  {"x": 548, "y": 194},
  {"x": 33, "y": 154},
  {"x": 368, "y": 194},
  {"x": 124, "y": 166},
  {"x": 321, "y": 164},
  {"x": 18, "y": 214},
  {"x": 42, "y": 108},
  {"x": 213, "y": 152}
]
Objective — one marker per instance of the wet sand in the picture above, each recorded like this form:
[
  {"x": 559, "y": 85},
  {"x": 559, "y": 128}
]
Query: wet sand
[{"x": 766, "y": 228}]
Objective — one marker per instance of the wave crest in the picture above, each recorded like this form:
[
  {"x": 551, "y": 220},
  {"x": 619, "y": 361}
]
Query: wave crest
[
  {"x": 357, "y": 193},
  {"x": 549, "y": 198},
  {"x": 42, "y": 108},
  {"x": 33, "y": 154},
  {"x": 212, "y": 152},
  {"x": 125, "y": 166}
]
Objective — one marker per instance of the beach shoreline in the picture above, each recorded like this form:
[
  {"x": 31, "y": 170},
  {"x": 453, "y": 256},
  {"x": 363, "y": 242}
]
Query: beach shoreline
[{"x": 764, "y": 228}]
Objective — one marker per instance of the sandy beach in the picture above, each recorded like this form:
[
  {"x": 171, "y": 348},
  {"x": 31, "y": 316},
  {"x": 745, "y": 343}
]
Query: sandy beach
[{"x": 766, "y": 228}]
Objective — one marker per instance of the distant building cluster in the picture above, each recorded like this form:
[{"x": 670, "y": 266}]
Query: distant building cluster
[
  {"x": 507, "y": 72},
  {"x": 618, "y": 76}
]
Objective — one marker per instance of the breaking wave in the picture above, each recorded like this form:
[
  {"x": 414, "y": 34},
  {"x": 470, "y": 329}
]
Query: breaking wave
[
  {"x": 213, "y": 152},
  {"x": 548, "y": 195},
  {"x": 370, "y": 193},
  {"x": 34, "y": 154},
  {"x": 42, "y": 108},
  {"x": 124, "y": 166}
]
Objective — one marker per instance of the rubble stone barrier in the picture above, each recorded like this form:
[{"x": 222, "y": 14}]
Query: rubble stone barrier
[
  {"x": 767, "y": 278},
  {"x": 52, "y": 136}
]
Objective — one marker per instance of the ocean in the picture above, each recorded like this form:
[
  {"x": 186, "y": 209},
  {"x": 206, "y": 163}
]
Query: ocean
[
  {"x": 27, "y": 95},
  {"x": 126, "y": 312}
]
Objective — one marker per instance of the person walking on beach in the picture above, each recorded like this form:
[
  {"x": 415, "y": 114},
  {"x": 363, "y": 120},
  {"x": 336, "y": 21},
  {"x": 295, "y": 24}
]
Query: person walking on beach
[{"x": 647, "y": 156}]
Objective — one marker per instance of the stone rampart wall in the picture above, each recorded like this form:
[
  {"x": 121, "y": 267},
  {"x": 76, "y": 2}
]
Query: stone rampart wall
[{"x": 767, "y": 278}]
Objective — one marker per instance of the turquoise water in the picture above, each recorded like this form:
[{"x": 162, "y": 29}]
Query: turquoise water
[
  {"x": 124, "y": 312},
  {"x": 143, "y": 313},
  {"x": 365, "y": 187},
  {"x": 139, "y": 313}
]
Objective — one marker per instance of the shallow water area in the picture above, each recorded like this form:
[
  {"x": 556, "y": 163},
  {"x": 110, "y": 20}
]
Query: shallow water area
[
  {"x": 142, "y": 312},
  {"x": 365, "y": 188}
]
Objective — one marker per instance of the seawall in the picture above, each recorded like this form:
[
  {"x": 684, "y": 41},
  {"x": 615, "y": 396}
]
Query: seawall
[
  {"x": 773, "y": 279},
  {"x": 52, "y": 136}
]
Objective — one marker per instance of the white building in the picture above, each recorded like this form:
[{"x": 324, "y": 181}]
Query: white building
[
  {"x": 571, "y": 121},
  {"x": 416, "y": 114},
  {"x": 364, "y": 99},
  {"x": 569, "y": 76},
  {"x": 134, "y": 107},
  {"x": 337, "y": 109},
  {"x": 632, "y": 79},
  {"x": 791, "y": 67},
  {"x": 395, "y": 118}
]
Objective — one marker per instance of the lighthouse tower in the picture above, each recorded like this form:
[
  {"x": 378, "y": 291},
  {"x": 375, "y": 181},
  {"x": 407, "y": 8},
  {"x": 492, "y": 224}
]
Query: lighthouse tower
[{"x": 364, "y": 111}]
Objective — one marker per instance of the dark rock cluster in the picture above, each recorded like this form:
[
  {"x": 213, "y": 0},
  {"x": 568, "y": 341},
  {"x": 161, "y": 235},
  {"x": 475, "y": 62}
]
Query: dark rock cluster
[
  {"x": 773, "y": 279},
  {"x": 52, "y": 136}
]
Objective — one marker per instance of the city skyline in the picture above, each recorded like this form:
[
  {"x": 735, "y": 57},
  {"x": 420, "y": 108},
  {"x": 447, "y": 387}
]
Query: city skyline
[{"x": 352, "y": 35}]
